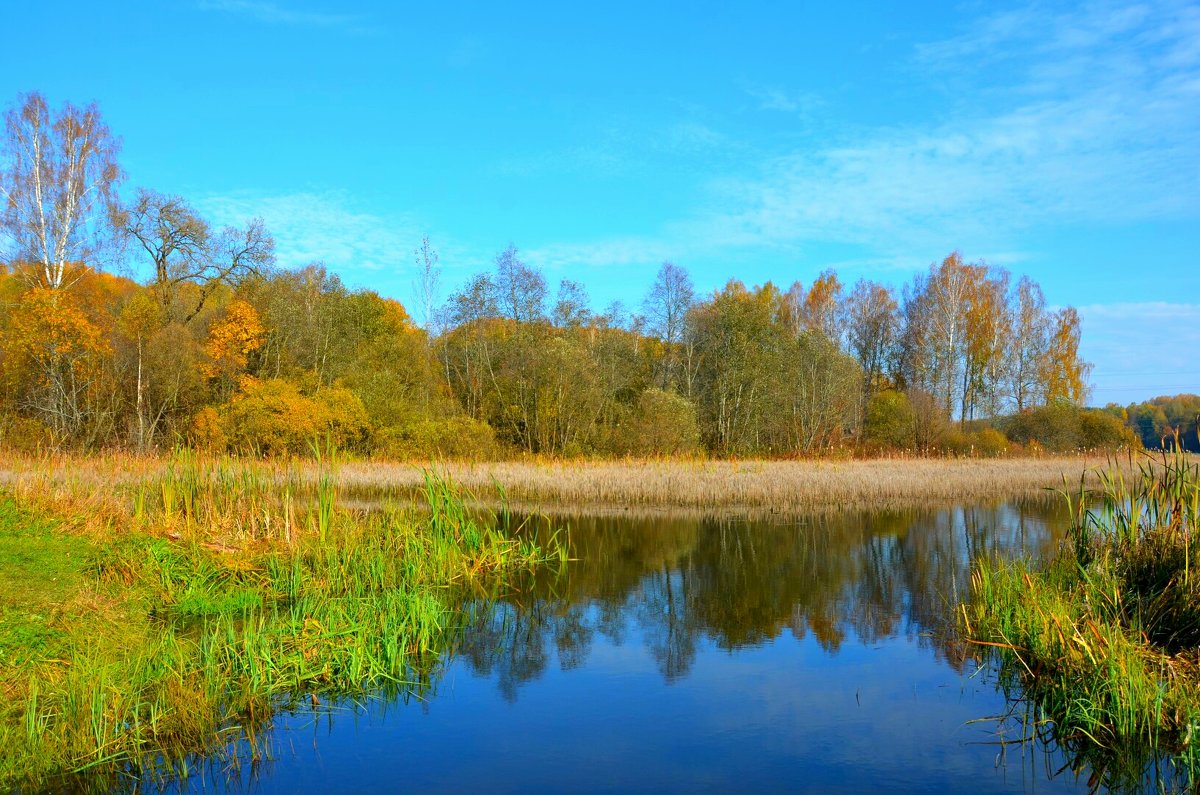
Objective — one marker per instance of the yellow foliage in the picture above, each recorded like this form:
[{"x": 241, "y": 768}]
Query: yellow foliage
[
  {"x": 47, "y": 330},
  {"x": 232, "y": 339},
  {"x": 273, "y": 417},
  {"x": 207, "y": 431}
]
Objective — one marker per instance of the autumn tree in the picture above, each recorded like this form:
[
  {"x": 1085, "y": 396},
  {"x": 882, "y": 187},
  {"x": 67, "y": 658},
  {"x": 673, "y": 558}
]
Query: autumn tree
[
  {"x": 58, "y": 181},
  {"x": 820, "y": 310},
  {"x": 666, "y": 306},
  {"x": 427, "y": 283},
  {"x": 466, "y": 350},
  {"x": 872, "y": 326},
  {"x": 1028, "y": 345},
  {"x": 1064, "y": 372},
  {"x": 985, "y": 344},
  {"x": 571, "y": 308},
  {"x": 55, "y": 361},
  {"x": 231, "y": 339},
  {"x": 139, "y": 320}
]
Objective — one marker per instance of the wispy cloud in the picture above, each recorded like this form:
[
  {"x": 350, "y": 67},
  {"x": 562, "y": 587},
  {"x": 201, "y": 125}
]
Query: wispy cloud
[
  {"x": 1099, "y": 124},
  {"x": 613, "y": 252},
  {"x": 324, "y": 227},
  {"x": 779, "y": 99},
  {"x": 276, "y": 14},
  {"x": 619, "y": 148},
  {"x": 1091, "y": 118}
]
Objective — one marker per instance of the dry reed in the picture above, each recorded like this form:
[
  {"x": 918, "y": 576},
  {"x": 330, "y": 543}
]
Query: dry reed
[
  {"x": 695, "y": 485},
  {"x": 756, "y": 485}
]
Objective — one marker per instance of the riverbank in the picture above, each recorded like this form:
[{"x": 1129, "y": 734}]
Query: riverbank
[{"x": 142, "y": 626}]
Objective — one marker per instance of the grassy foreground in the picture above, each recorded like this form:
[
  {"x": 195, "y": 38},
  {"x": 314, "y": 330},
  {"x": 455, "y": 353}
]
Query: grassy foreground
[
  {"x": 1105, "y": 640},
  {"x": 145, "y": 624}
]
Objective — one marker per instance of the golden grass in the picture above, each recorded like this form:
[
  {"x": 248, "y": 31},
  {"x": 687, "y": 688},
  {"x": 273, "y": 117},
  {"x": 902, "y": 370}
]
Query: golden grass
[
  {"x": 696, "y": 485},
  {"x": 720, "y": 485}
]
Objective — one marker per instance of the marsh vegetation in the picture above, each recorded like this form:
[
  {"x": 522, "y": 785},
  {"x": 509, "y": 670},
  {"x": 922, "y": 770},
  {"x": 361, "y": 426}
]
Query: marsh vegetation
[
  {"x": 1101, "y": 640},
  {"x": 145, "y": 624}
]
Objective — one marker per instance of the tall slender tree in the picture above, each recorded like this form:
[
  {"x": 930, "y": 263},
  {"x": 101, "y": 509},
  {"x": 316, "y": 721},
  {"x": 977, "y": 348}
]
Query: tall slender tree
[
  {"x": 666, "y": 306},
  {"x": 58, "y": 181}
]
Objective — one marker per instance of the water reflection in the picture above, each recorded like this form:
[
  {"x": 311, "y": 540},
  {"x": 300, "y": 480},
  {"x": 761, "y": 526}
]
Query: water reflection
[
  {"x": 670, "y": 583},
  {"x": 720, "y": 654}
]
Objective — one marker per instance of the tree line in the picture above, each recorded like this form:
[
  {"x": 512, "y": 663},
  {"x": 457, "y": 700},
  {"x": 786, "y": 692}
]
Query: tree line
[
  {"x": 220, "y": 346},
  {"x": 1162, "y": 422}
]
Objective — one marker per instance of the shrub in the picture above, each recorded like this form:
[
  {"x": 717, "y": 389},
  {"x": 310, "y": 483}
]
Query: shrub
[
  {"x": 207, "y": 431},
  {"x": 890, "y": 421},
  {"x": 24, "y": 433},
  {"x": 452, "y": 437},
  {"x": 984, "y": 443},
  {"x": 1101, "y": 430},
  {"x": 274, "y": 418},
  {"x": 1062, "y": 428},
  {"x": 990, "y": 442},
  {"x": 661, "y": 423}
]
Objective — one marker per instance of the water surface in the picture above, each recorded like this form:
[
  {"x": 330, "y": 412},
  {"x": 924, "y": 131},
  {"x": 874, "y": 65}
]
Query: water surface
[{"x": 690, "y": 654}]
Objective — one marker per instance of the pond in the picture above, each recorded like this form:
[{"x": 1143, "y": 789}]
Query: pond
[{"x": 713, "y": 654}]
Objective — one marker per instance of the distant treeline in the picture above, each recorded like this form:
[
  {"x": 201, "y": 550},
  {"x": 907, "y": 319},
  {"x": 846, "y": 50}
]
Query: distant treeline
[
  {"x": 1162, "y": 420},
  {"x": 220, "y": 347}
]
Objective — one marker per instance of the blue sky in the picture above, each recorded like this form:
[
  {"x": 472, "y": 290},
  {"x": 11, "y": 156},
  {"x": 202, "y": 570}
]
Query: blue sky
[{"x": 754, "y": 140}]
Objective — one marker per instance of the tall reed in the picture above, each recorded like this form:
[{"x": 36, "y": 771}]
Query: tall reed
[{"x": 1103, "y": 638}]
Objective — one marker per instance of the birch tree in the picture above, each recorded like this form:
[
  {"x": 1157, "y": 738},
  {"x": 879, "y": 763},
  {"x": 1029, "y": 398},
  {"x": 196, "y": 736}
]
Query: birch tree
[
  {"x": 666, "y": 306},
  {"x": 1029, "y": 345},
  {"x": 428, "y": 282},
  {"x": 58, "y": 180}
]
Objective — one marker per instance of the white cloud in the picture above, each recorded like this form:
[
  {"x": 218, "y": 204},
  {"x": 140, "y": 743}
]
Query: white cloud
[
  {"x": 778, "y": 99},
  {"x": 325, "y": 227},
  {"x": 604, "y": 253}
]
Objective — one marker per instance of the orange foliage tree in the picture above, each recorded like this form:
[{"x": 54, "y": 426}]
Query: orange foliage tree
[
  {"x": 54, "y": 360},
  {"x": 231, "y": 340}
]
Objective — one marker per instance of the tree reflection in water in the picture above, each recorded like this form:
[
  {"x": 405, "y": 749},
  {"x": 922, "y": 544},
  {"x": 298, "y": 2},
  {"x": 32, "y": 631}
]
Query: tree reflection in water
[{"x": 672, "y": 584}]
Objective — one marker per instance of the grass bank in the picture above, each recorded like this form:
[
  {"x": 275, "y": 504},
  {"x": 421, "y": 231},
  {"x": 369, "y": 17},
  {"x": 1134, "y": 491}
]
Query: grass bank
[
  {"x": 1104, "y": 641},
  {"x": 145, "y": 624}
]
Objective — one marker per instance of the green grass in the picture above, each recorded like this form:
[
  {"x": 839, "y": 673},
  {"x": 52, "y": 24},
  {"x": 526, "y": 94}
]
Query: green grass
[
  {"x": 1103, "y": 640},
  {"x": 42, "y": 577},
  {"x": 179, "y": 627}
]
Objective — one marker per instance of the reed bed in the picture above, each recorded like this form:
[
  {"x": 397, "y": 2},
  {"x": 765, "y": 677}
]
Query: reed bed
[
  {"x": 171, "y": 615},
  {"x": 700, "y": 485},
  {"x": 713, "y": 486},
  {"x": 1104, "y": 641}
]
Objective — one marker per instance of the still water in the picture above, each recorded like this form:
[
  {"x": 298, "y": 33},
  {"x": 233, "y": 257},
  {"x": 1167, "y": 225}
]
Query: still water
[{"x": 692, "y": 654}]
